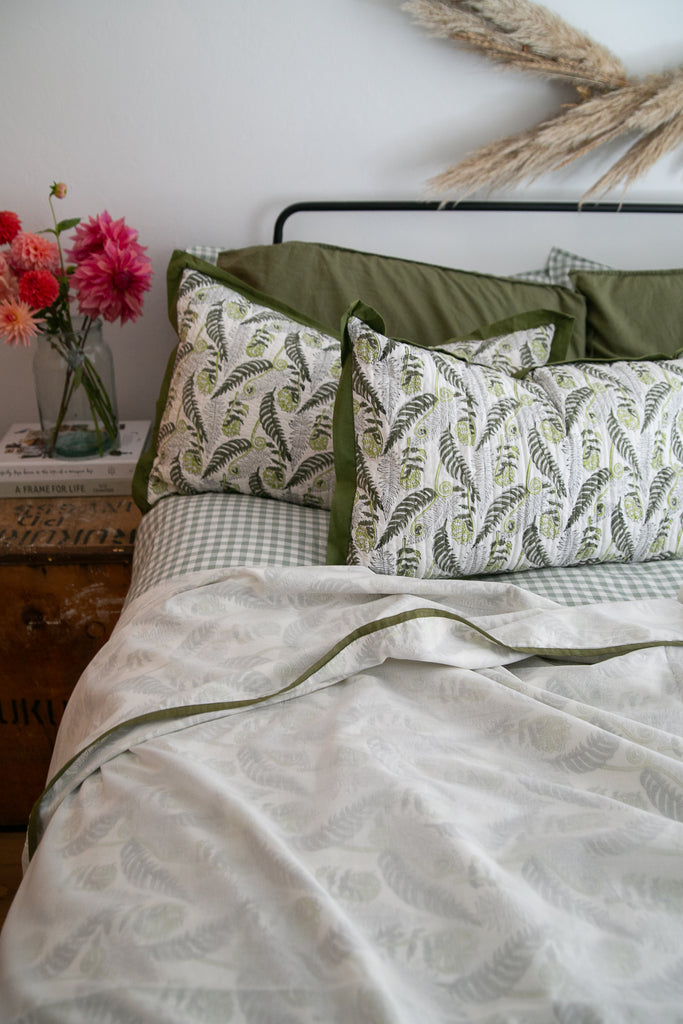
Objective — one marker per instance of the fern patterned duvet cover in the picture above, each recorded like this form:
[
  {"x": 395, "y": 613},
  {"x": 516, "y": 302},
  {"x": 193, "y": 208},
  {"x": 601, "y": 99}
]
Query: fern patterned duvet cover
[{"x": 321, "y": 794}]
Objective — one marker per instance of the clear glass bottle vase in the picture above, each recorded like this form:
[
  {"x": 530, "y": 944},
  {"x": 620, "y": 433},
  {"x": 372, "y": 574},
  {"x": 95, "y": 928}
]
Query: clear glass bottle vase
[{"x": 73, "y": 374}]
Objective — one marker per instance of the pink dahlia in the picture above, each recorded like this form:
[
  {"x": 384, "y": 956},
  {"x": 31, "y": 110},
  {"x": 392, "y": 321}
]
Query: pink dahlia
[
  {"x": 10, "y": 225},
  {"x": 38, "y": 288},
  {"x": 90, "y": 238},
  {"x": 111, "y": 283},
  {"x": 33, "y": 252},
  {"x": 18, "y": 323},
  {"x": 8, "y": 280}
]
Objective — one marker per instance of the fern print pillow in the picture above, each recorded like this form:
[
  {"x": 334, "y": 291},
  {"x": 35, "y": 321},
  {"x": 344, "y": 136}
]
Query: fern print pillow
[
  {"x": 250, "y": 403},
  {"x": 517, "y": 343},
  {"x": 478, "y": 471}
]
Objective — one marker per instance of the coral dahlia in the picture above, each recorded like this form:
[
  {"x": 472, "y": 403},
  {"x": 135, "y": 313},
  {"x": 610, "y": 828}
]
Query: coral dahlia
[
  {"x": 111, "y": 283},
  {"x": 18, "y": 323},
  {"x": 33, "y": 252},
  {"x": 10, "y": 225},
  {"x": 8, "y": 281},
  {"x": 38, "y": 288}
]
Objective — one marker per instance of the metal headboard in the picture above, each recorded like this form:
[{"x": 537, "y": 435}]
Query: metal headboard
[{"x": 493, "y": 205}]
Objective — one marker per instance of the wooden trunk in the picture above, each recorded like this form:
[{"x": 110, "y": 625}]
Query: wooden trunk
[{"x": 64, "y": 573}]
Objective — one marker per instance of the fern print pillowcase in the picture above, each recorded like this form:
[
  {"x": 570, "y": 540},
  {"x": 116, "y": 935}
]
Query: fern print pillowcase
[
  {"x": 477, "y": 471},
  {"x": 517, "y": 343},
  {"x": 250, "y": 403}
]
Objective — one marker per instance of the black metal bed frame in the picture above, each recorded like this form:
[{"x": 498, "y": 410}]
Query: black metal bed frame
[{"x": 493, "y": 205}]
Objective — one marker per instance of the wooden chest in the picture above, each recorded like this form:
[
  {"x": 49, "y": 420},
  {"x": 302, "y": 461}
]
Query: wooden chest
[{"x": 64, "y": 573}]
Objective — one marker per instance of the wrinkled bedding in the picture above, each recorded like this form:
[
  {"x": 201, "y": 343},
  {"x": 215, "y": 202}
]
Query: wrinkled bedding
[{"x": 322, "y": 795}]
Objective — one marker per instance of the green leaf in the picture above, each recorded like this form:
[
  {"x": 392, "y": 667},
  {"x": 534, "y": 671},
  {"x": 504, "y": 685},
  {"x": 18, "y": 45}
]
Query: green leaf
[
  {"x": 66, "y": 225},
  {"x": 256, "y": 485},
  {"x": 543, "y": 459},
  {"x": 602, "y": 374},
  {"x": 323, "y": 396},
  {"x": 408, "y": 562},
  {"x": 295, "y": 354},
  {"x": 454, "y": 371},
  {"x": 254, "y": 368},
  {"x": 622, "y": 443},
  {"x": 659, "y": 490},
  {"x": 443, "y": 554},
  {"x": 500, "y": 508},
  {"x": 620, "y": 534},
  {"x": 405, "y": 512},
  {"x": 364, "y": 479},
  {"x": 411, "y": 411},
  {"x": 676, "y": 443},
  {"x": 215, "y": 328},
  {"x": 574, "y": 405},
  {"x": 191, "y": 408},
  {"x": 362, "y": 387},
  {"x": 191, "y": 280},
  {"x": 653, "y": 400},
  {"x": 588, "y": 493},
  {"x": 454, "y": 462},
  {"x": 178, "y": 477},
  {"x": 497, "y": 417},
  {"x": 321, "y": 462},
  {"x": 226, "y": 453},
  {"x": 532, "y": 546},
  {"x": 272, "y": 425},
  {"x": 266, "y": 316}
]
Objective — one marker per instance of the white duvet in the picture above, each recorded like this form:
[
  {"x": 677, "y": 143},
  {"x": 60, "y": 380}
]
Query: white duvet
[{"x": 321, "y": 795}]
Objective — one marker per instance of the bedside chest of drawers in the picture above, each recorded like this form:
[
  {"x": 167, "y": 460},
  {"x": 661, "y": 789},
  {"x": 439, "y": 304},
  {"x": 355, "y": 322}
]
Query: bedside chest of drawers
[{"x": 64, "y": 572}]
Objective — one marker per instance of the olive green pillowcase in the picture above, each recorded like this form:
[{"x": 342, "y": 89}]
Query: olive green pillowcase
[
  {"x": 632, "y": 313},
  {"x": 417, "y": 299}
]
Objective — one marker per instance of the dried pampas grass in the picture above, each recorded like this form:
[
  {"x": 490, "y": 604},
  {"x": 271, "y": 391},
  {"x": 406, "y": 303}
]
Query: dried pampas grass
[{"x": 525, "y": 36}]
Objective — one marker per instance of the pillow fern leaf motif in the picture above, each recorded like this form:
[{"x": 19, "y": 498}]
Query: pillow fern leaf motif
[
  {"x": 250, "y": 403},
  {"x": 479, "y": 471}
]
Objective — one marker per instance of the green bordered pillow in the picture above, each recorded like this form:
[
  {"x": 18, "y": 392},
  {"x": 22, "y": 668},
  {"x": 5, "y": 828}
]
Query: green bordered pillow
[
  {"x": 632, "y": 313},
  {"x": 518, "y": 342},
  {"x": 478, "y": 471},
  {"x": 250, "y": 399}
]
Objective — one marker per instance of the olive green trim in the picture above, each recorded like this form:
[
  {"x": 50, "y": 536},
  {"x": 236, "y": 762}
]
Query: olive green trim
[
  {"x": 344, "y": 444},
  {"x": 144, "y": 464},
  {"x": 375, "y": 626}
]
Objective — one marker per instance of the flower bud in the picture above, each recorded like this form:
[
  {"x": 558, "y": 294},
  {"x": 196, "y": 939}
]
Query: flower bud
[{"x": 58, "y": 189}]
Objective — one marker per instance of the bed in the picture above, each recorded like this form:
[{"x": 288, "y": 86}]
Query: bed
[{"x": 391, "y": 728}]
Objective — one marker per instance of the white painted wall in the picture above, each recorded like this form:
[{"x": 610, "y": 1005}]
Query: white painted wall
[{"x": 198, "y": 120}]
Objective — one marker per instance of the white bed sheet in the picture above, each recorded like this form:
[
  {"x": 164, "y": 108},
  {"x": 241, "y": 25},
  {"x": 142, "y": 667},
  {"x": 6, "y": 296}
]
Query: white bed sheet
[{"x": 322, "y": 795}]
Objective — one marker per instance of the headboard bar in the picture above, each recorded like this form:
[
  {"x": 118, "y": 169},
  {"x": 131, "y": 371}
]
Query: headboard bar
[{"x": 376, "y": 205}]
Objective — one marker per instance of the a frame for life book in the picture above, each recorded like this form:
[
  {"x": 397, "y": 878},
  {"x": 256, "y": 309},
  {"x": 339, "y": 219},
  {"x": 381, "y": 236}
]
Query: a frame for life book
[{"x": 26, "y": 471}]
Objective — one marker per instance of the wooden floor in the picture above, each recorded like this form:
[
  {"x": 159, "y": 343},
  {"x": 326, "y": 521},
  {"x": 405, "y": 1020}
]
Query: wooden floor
[{"x": 11, "y": 845}]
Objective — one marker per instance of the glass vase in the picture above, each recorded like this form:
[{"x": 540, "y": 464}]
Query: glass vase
[{"x": 73, "y": 374}]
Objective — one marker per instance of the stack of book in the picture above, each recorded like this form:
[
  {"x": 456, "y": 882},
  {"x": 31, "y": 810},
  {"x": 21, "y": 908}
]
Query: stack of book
[{"x": 27, "y": 471}]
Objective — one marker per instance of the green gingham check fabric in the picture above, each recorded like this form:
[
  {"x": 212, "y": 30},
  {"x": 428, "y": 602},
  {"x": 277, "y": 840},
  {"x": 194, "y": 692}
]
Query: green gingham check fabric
[
  {"x": 560, "y": 263},
  {"x": 184, "y": 534},
  {"x": 208, "y": 253}
]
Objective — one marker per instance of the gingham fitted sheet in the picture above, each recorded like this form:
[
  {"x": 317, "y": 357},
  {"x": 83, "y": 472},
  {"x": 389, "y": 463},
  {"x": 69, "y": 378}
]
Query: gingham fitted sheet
[{"x": 212, "y": 531}]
